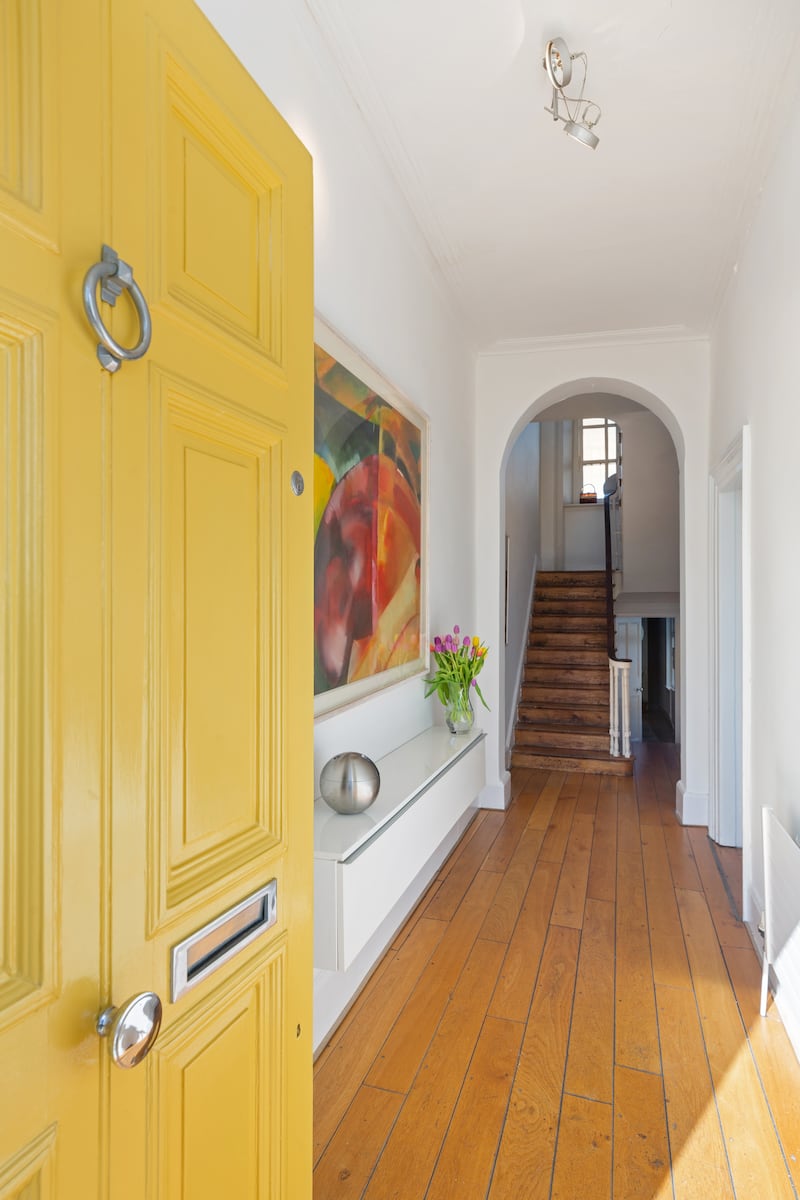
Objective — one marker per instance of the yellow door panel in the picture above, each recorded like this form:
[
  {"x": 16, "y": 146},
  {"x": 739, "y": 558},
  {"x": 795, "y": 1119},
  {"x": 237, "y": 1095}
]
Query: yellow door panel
[
  {"x": 27, "y": 842},
  {"x": 215, "y": 490},
  {"x": 51, "y": 516},
  {"x": 227, "y": 274},
  {"x": 155, "y": 657},
  {"x": 211, "y": 552},
  {"x": 217, "y": 1105},
  {"x": 29, "y": 145},
  {"x": 30, "y": 1175}
]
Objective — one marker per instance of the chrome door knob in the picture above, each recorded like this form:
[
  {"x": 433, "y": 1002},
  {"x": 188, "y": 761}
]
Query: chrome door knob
[{"x": 132, "y": 1028}]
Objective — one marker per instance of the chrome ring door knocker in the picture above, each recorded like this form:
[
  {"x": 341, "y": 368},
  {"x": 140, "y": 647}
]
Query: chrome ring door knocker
[{"x": 115, "y": 277}]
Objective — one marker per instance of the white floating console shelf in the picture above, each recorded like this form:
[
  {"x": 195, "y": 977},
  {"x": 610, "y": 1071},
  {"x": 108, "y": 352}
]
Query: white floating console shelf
[{"x": 364, "y": 864}]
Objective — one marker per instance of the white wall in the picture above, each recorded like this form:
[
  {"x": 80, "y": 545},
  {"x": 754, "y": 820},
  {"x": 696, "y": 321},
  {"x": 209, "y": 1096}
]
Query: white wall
[
  {"x": 650, "y": 528},
  {"x": 672, "y": 379},
  {"x": 584, "y": 537},
  {"x": 551, "y": 494},
  {"x": 376, "y": 285},
  {"x": 650, "y": 505},
  {"x": 522, "y": 528},
  {"x": 756, "y": 381}
]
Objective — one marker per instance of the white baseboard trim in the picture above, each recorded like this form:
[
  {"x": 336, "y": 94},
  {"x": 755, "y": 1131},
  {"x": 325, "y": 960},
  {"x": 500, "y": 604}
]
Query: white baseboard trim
[
  {"x": 756, "y": 938},
  {"x": 511, "y": 722},
  {"x": 691, "y": 807},
  {"x": 496, "y": 795},
  {"x": 754, "y": 914}
]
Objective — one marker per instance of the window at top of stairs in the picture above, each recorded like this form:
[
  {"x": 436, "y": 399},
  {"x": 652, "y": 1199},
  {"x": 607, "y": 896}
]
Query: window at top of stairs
[{"x": 599, "y": 448}]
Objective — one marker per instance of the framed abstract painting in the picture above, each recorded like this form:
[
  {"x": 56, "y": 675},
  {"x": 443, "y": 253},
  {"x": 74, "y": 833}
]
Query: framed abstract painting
[{"x": 370, "y": 529}]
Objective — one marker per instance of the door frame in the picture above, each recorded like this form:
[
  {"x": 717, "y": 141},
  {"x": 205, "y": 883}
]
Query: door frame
[
  {"x": 730, "y": 559},
  {"x": 635, "y": 677}
]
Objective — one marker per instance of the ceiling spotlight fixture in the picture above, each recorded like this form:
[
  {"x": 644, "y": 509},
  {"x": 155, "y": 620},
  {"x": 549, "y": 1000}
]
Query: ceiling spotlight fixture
[{"x": 580, "y": 115}]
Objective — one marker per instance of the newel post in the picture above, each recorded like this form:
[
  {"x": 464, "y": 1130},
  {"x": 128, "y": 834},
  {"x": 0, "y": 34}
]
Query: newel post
[
  {"x": 613, "y": 708},
  {"x": 625, "y": 705}
]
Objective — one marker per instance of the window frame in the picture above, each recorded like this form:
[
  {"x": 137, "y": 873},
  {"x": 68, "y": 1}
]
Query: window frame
[{"x": 579, "y": 462}]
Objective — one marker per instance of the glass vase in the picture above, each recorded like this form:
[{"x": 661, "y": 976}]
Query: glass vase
[{"x": 459, "y": 713}]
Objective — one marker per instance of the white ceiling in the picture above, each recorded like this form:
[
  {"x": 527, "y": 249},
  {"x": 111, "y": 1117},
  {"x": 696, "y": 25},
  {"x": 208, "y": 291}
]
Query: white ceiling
[{"x": 535, "y": 235}]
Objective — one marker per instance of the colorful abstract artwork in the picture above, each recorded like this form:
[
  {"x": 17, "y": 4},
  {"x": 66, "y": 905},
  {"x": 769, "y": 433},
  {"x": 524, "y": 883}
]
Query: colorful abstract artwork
[{"x": 368, "y": 548}]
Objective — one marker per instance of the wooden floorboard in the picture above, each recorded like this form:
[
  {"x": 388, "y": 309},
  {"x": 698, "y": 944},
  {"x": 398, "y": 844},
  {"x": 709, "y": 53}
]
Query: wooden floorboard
[
  {"x": 480, "y": 1114},
  {"x": 409, "y": 1157},
  {"x": 398, "y": 1059},
  {"x": 590, "y": 1061},
  {"x": 502, "y": 916},
  {"x": 570, "y": 1013},
  {"x": 514, "y": 991},
  {"x": 528, "y": 1142},
  {"x": 641, "y": 1144},
  {"x": 583, "y": 1153}
]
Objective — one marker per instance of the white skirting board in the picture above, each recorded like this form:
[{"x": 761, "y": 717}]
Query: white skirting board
[
  {"x": 496, "y": 795},
  {"x": 782, "y": 924},
  {"x": 691, "y": 807}
]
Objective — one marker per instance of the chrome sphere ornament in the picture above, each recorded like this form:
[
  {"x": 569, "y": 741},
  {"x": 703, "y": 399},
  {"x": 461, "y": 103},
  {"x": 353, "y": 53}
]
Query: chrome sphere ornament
[{"x": 349, "y": 782}]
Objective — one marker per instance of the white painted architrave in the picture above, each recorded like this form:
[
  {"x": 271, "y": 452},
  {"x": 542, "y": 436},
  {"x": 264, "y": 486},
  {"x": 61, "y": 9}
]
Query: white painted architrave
[
  {"x": 511, "y": 715},
  {"x": 728, "y": 824}
]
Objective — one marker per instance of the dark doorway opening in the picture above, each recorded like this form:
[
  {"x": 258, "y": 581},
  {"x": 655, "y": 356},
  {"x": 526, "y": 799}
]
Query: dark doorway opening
[{"x": 658, "y": 680}]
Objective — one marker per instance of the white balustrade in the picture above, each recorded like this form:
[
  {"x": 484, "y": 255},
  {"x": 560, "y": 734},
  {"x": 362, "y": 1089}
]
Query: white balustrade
[{"x": 619, "y": 707}]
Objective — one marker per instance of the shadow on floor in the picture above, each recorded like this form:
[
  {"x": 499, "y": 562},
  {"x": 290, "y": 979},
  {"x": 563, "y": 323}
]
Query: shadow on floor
[{"x": 656, "y": 726}]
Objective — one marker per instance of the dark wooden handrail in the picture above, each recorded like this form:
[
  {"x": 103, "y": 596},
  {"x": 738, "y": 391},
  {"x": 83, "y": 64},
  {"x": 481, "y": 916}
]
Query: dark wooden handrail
[
  {"x": 610, "y": 638},
  {"x": 619, "y": 714}
]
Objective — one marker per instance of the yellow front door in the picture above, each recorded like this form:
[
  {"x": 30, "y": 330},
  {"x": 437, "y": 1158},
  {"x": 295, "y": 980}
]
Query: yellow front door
[
  {"x": 156, "y": 732},
  {"x": 51, "y": 720}
]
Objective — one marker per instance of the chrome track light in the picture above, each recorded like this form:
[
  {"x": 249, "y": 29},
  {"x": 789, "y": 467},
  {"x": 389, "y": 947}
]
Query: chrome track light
[{"x": 580, "y": 115}]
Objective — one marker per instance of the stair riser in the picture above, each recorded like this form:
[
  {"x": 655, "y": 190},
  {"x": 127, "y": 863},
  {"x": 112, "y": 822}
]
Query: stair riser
[
  {"x": 592, "y": 717},
  {"x": 553, "y": 655},
  {"x": 561, "y": 623},
  {"x": 580, "y": 610},
  {"x": 570, "y": 579},
  {"x": 571, "y": 641},
  {"x": 562, "y": 720},
  {"x": 582, "y": 766},
  {"x": 580, "y": 676},
  {"x": 536, "y": 693},
  {"x": 557, "y": 595},
  {"x": 562, "y": 739}
]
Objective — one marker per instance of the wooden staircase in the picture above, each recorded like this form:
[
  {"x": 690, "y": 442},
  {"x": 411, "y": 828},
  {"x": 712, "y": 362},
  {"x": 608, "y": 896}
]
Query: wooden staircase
[{"x": 562, "y": 720}]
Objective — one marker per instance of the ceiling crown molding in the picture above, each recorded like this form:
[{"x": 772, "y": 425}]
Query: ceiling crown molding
[{"x": 604, "y": 337}]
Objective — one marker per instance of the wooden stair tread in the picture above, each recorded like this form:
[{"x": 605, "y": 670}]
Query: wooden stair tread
[
  {"x": 562, "y": 714},
  {"x": 589, "y": 762},
  {"x": 575, "y": 716},
  {"x": 555, "y": 656},
  {"x": 555, "y": 726},
  {"x": 573, "y": 620},
  {"x": 557, "y": 594},
  {"x": 593, "y": 676},
  {"x": 562, "y": 741},
  {"x": 552, "y": 655},
  {"x": 571, "y": 578},
  {"x": 569, "y": 612},
  {"x": 578, "y": 640}
]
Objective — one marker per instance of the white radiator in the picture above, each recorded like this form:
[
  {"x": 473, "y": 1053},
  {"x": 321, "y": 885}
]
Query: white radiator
[{"x": 782, "y": 923}]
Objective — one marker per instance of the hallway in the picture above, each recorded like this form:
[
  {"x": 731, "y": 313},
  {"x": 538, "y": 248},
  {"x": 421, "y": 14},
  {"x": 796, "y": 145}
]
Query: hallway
[{"x": 571, "y": 1011}]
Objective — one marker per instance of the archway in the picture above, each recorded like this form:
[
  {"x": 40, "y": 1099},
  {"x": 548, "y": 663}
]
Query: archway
[
  {"x": 547, "y": 529},
  {"x": 671, "y": 382}
]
